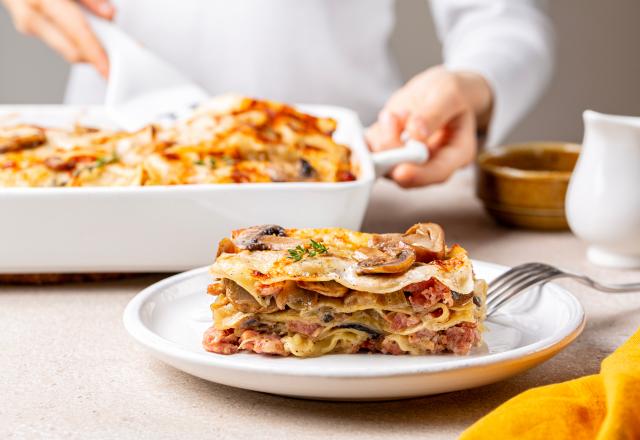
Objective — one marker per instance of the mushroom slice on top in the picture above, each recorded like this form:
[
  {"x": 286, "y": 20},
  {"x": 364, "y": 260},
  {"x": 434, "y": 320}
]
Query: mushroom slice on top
[
  {"x": 326, "y": 288},
  {"x": 365, "y": 253},
  {"x": 380, "y": 241},
  {"x": 252, "y": 238},
  {"x": 427, "y": 240},
  {"x": 21, "y": 137},
  {"x": 392, "y": 260},
  {"x": 276, "y": 243}
]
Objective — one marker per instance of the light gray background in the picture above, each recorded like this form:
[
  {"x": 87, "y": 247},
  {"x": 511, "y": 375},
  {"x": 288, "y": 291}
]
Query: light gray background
[{"x": 598, "y": 64}]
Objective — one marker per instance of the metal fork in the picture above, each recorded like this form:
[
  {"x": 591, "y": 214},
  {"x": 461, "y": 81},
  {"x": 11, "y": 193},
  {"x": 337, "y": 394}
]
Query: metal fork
[{"x": 528, "y": 275}]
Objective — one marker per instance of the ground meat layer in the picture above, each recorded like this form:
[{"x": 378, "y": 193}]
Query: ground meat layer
[{"x": 459, "y": 339}]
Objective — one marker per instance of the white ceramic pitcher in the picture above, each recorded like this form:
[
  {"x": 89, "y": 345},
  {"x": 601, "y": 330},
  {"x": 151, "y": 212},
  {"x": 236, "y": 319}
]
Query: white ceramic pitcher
[{"x": 603, "y": 199}]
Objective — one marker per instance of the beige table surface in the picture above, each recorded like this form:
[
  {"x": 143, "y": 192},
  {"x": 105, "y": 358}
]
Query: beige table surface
[{"x": 69, "y": 370}]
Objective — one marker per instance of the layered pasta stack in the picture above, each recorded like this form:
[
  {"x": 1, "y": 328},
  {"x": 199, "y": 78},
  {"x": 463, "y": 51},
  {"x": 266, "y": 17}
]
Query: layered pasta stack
[{"x": 310, "y": 292}]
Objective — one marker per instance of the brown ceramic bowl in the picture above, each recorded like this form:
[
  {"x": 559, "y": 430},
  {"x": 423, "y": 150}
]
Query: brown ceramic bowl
[{"x": 524, "y": 185}]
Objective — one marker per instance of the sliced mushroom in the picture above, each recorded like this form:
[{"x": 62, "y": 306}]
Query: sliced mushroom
[
  {"x": 365, "y": 253},
  {"x": 427, "y": 240},
  {"x": 393, "y": 260},
  {"x": 295, "y": 297},
  {"x": 242, "y": 300},
  {"x": 21, "y": 137},
  {"x": 301, "y": 299},
  {"x": 57, "y": 163},
  {"x": 276, "y": 243},
  {"x": 460, "y": 299},
  {"x": 383, "y": 240},
  {"x": 251, "y": 238},
  {"x": 305, "y": 170},
  {"x": 326, "y": 288}
]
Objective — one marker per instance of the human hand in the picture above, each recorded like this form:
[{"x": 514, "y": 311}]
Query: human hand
[
  {"x": 441, "y": 108},
  {"x": 63, "y": 27}
]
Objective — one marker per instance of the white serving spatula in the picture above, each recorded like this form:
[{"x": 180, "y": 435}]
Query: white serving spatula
[{"x": 141, "y": 88}]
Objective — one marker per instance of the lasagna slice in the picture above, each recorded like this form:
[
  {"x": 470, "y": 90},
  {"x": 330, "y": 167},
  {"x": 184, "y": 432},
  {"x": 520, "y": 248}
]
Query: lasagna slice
[{"x": 310, "y": 292}]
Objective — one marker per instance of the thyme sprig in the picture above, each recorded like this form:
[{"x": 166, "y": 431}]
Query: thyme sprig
[
  {"x": 318, "y": 248},
  {"x": 298, "y": 253},
  {"x": 211, "y": 163},
  {"x": 102, "y": 161}
]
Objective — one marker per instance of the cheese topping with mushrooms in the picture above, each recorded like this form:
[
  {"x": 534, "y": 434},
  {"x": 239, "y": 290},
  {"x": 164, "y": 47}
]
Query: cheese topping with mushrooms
[{"x": 228, "y": 140}]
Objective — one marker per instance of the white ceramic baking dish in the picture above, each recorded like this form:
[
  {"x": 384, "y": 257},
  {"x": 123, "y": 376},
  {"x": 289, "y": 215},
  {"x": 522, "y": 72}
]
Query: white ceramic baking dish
[{"x": 169, "y": 228}]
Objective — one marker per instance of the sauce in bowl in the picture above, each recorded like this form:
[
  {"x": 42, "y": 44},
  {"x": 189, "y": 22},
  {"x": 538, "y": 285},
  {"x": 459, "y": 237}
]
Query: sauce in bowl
[
  {"x": 536, "y": 158},
  {"x": 524, "y": 185}
]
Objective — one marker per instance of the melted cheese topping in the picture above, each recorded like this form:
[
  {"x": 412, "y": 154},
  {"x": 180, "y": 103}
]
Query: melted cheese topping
[
  {"x": 252, "y": 269},
  {"x": 228, "y": 140}
]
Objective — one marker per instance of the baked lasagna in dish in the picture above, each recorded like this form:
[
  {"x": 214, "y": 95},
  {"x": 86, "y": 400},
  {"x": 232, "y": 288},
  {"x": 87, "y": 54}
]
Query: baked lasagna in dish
[
  {"x": 310, "y": 292},
  {"x": 229, "y": 139}
]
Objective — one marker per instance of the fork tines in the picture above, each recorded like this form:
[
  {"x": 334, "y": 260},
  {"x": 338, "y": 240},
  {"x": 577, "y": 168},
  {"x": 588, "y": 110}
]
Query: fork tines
[{"x": 516, "y": 280}]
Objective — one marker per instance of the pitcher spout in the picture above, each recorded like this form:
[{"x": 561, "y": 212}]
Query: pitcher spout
[{"x": 611, "y": 125}]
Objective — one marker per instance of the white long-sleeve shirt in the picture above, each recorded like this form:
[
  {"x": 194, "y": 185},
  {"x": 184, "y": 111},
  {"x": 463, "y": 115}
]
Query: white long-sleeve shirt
[{"x": 334, "y": 51}]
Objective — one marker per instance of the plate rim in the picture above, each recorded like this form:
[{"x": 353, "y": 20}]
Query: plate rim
[{"x": 152, "y": 341}]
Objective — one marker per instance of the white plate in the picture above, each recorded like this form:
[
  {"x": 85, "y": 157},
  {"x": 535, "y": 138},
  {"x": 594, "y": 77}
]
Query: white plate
[{"x": 169, "y": 318}]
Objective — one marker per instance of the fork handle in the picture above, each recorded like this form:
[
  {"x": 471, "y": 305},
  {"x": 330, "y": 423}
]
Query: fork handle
[{"x": 604, "y": 287}]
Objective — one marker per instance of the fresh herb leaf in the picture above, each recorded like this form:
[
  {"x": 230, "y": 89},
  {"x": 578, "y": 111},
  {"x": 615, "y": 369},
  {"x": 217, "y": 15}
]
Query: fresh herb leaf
[
  {"x": 318, "y": 247},
  {"x": 98, "y": 163},
  {"x": 211, "y": 162},
  {"x": 299, "y": 252},
  {"x": 102, "y": 161}
]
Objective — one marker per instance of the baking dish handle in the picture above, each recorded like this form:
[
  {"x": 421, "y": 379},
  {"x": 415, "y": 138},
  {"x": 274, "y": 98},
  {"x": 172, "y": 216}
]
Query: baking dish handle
[{"x": 413, "y": 151}]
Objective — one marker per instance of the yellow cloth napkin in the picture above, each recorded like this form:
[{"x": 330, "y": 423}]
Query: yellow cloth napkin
[{"x": 601, "y": 406}]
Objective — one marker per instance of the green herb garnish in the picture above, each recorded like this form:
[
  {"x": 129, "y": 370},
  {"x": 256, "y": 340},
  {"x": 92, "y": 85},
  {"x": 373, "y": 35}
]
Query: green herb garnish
[
  {"x": 211, "y": 162},
  {"x": 318, "y": 248},
  {"x": 297, "y": 253},
  {"x": 102, "y": 161},
  {"x": 99, "y": 163}
]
